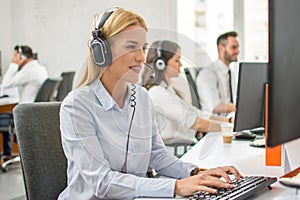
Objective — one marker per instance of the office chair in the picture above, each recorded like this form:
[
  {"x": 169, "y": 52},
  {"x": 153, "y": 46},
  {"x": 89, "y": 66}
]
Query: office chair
[
  {"x": 177, "y": 146},
  {"x": 44, "y": 164},
  {"x": 65, "y": 86},
  {"x": 47, "y": 91}
]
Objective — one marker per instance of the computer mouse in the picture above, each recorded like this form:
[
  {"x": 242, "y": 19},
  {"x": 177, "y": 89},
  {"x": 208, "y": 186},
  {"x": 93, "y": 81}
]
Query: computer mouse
[{"x": 245, "y": 135}]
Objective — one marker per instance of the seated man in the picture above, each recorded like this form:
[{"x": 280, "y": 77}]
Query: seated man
[
  {"x": 215, "y": 83},
  {"x": 27, "y": 75}
]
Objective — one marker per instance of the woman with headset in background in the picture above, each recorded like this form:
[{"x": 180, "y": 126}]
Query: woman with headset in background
[
  {"x": 177, "y": 120},
  {"x": 108, "y": 127}
]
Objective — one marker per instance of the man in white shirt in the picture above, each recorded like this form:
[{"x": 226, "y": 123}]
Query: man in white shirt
[
  {"x": 215, "y": 83},
  {"x": 27, "y": 75}
]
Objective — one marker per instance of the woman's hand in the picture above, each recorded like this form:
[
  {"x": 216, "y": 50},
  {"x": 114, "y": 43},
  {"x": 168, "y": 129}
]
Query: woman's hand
[{"x": 205, "y": 180}]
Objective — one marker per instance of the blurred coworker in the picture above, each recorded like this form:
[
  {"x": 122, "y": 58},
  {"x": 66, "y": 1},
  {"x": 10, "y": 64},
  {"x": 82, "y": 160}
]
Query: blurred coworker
[
  {"x": 178, "y": 121},
  {"x": 27, "y": 75},
  {"x": 215, "y": 83}
]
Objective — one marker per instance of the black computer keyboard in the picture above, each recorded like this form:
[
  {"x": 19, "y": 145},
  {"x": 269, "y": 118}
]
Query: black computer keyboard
[{"x": 243, "y": 188}]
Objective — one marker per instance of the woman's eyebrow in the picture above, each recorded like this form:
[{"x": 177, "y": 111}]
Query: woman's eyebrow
[
  {"x": 132, "y": 41},
  {"x": 135, "y": 42}
]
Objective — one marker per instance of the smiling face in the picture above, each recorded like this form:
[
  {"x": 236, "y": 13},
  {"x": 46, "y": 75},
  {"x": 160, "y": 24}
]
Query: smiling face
[{"x": 128, "y": 51}]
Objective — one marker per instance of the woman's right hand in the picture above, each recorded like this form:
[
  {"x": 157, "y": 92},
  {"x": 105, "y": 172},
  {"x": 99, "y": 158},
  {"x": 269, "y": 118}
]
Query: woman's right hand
[{"x": 205, "y": 180}]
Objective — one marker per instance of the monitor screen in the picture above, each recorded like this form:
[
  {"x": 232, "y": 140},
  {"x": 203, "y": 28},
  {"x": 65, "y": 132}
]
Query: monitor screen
[
  {"x": 0, "y": 64},
  {"x": 250, "y": 96},
  {"x": 284, "y": 73}
]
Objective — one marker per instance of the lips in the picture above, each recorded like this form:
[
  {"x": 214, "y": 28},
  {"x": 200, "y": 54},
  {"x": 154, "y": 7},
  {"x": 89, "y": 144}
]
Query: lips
[{"x": 135, "y": 69}]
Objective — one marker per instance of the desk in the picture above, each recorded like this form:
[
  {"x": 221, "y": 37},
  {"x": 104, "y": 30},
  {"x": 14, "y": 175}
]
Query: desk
[
  {"x": 7, "y": 105},
  {"x": 211, "y": 152}
]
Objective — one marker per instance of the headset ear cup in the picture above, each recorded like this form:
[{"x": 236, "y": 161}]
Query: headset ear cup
[
  {"x": 101, "y": 52},
  {"x": 160, "y": 63}
]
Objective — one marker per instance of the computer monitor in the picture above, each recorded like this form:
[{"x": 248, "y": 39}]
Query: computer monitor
[
  {"x": 0, "y": 64},
  {"x": 250, "y": 96},
  {"x": 284, "y": 72}
]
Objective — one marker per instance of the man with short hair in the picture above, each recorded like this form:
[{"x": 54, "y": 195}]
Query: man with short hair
[
  {"x": 27, "y": 75},
  {"x": 215, "y": 83}
]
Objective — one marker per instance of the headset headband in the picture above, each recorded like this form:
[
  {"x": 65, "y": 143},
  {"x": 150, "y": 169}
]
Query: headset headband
[
  {"x": 103, "y": 19},
  {"x": 159, "y": 48}
]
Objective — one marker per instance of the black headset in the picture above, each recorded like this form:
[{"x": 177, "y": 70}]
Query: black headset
[
  {"x": 100, "y": 47},
  {"x": 160, "y": 62}
]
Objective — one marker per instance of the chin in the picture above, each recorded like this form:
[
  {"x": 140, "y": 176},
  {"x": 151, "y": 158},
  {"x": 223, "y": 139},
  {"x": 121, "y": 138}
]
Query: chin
[{"x": 133, "y": 80}]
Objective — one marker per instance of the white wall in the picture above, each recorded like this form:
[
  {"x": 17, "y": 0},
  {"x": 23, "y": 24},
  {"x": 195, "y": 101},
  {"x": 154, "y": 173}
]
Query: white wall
[
  {"x": 59, "y": 30},
  {"x": 6, "y": 31}
]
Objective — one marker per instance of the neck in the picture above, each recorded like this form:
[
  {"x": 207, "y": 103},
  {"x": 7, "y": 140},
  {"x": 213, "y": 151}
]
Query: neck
[
  {"x": 24, "y": 63},
  {"x": 225, "y": 62},
  {"x": 116, "y": 88},
  {"x": 168, "y": 79}
]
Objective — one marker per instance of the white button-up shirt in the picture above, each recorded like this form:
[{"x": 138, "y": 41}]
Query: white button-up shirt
[
  {"x": 174, "y": 115},
  {"x": 213, "y": 85},
  {"x": 94, "y": 137},
  {"x": 28, "y": 80}
]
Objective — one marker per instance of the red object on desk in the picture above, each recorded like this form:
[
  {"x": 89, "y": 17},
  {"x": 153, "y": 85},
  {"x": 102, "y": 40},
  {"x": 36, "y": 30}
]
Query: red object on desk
[{"x": 273, "y": 154}]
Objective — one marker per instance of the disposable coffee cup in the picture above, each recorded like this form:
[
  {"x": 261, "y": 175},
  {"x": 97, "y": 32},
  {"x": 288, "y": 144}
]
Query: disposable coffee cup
[{"x": 227, "y": 132}]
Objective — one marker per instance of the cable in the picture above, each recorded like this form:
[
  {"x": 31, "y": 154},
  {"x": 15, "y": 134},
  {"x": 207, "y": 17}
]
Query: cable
[{"x": 133, "y": 104}]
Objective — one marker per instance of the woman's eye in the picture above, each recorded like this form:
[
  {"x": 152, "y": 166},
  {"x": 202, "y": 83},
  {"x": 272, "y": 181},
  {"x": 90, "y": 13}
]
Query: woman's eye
[{"x": 131, "y": 47}]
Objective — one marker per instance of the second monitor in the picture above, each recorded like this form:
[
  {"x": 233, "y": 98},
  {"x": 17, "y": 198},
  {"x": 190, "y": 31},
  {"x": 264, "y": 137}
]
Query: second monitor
[{"x": 250, "y": 96}]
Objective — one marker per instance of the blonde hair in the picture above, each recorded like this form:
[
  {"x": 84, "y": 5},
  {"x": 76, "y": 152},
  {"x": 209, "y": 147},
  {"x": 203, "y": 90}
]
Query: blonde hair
[{"x": 117, "y": 21}]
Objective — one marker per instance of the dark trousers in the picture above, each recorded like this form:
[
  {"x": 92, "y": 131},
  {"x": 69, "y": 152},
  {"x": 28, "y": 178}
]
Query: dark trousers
[
  {"x": 7, "y": 143},
  {"x": 6, "y": 120}
]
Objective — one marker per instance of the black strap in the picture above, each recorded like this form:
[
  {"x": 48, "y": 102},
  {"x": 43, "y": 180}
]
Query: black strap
[
  {"x": 193, "y": 89},
  {"x": 230, "y": 87}
]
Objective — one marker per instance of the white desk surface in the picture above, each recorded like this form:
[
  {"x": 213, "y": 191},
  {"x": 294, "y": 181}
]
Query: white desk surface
[
  {"x": 211, "y": 152},
  {"x": 8, "y": 100},
  {"x": 13, "y": 95}
]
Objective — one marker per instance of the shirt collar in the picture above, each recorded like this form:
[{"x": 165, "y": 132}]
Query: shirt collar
[
  {"x": 222, "y": 67},
  {"x": 105, "y": 98}
]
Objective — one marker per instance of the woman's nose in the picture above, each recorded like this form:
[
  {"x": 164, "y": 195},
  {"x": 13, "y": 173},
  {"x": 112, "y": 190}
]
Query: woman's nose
[{"x": 140, "y": 55}]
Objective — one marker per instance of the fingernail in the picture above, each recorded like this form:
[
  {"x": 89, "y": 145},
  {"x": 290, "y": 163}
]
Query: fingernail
[{"x": 215, "y": 191}]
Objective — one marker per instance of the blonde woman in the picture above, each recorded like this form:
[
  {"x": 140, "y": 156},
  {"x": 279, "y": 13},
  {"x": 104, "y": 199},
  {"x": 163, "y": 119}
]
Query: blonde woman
[{"x": 108, "y": 127}]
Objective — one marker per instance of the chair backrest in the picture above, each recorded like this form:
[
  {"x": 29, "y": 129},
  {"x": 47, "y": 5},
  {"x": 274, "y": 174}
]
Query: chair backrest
[
  {"x": 65, "y": 85},
  {"x": 44, "y": 164},
  {"x": 193, "y": 87},
  {"x": 47, "y": 91}
]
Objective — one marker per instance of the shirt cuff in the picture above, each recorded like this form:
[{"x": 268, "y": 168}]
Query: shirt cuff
[{"x": 155, "y": 187}]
